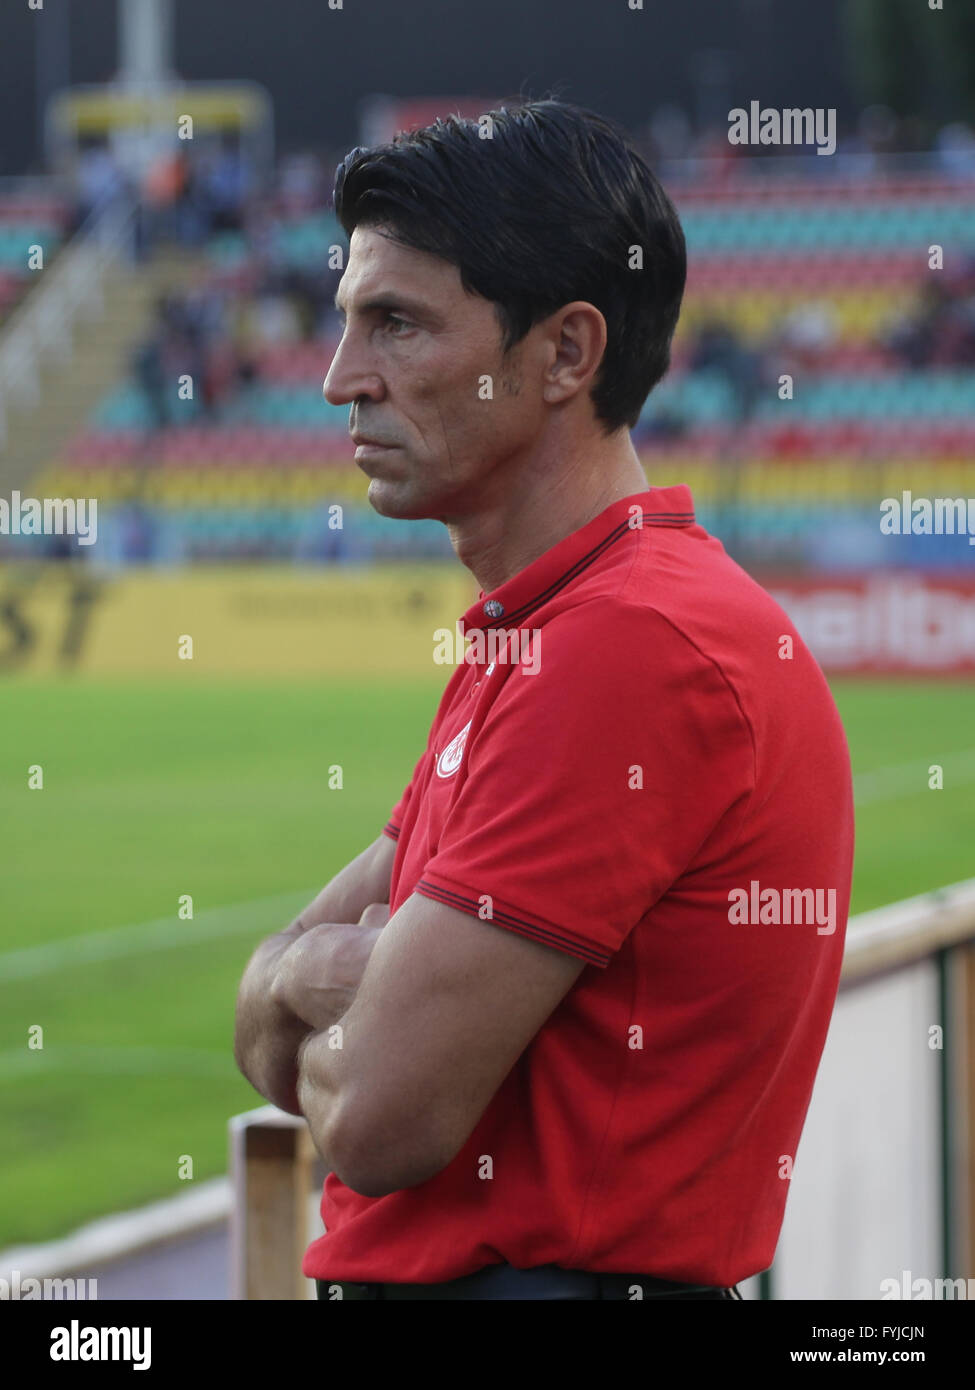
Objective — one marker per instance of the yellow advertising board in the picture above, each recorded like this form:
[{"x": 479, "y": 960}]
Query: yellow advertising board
[
  {"x": 240, "y": 621},
  {"x": 96, "y": 109}
]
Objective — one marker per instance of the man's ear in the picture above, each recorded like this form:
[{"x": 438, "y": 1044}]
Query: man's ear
[{"x": 577, "y": 338}]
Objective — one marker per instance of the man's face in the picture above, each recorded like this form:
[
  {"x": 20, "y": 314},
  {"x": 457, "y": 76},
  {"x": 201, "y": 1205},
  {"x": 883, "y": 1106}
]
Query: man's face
[{"x": 411, "y": 363}]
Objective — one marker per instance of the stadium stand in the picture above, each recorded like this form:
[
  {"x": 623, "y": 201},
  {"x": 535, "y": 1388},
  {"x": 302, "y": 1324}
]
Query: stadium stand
[
  {"x": 824, "y": 282},
  {"x": 26, "y": 221}
]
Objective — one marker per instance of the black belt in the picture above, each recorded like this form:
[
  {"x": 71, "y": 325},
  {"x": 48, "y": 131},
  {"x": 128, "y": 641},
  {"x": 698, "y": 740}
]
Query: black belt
[{"x": 503, "y": 1281}]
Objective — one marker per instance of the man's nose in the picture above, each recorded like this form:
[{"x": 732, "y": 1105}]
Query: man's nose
[{"x": 349, "y": 377}]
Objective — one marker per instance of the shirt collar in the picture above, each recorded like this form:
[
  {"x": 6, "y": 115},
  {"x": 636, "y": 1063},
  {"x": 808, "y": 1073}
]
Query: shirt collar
[{"x": 512, "y": 602}]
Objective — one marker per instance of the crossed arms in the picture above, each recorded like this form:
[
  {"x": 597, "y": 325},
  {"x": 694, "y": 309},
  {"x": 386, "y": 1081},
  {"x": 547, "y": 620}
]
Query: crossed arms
[
  {"x": 271, "y": 1019},
  {"x": 434, "y": 1007}
]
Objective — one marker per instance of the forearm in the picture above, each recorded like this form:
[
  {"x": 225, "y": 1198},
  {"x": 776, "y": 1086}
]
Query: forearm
[
  {"x": 299, "y": 981},
  {"x": 322, "y": 1067}
]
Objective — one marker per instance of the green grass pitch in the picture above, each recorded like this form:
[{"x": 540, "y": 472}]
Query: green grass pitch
[{"x": 152, "y": 791}]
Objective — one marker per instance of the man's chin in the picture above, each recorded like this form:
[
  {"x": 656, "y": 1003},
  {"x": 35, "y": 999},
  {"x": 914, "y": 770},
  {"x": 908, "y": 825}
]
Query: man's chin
[{"x": 395, "y": 501}]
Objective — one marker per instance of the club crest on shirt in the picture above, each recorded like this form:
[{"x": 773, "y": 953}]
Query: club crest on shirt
[{"x": 450, "y": 759}]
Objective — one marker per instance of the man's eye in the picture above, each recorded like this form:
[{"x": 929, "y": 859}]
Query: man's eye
[{"x": 397, "y": 323}]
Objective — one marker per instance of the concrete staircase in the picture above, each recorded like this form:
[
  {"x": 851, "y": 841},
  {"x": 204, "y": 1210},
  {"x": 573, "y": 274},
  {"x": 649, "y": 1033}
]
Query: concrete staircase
[{"x": 102, "y": 348}]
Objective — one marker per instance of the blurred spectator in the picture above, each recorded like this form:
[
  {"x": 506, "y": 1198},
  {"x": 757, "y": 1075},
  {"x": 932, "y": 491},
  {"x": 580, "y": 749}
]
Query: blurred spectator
[
  {"x": 136, "y": 527},
  {"x": 149, "y": 366},
  {"x": 166, "y": 198},
  {"x": 312, "y": 296},
  {"x": 717, "y": 347},
  {"x": 270, "y": 318},
  {"x": 188, "y": 338},
  {"x": 941, "y": 331},
  {"x": 223, "y": 184},
  {"x": 301, "y": 185},
  {"x": 259, "y": 230},
  {"x": 98, "y": 182},
  {"x": 807, "y": 335}
]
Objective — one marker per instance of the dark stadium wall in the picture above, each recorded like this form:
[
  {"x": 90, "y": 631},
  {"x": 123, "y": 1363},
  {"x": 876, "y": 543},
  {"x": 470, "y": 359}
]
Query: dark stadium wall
[
  {"x": 41, "y": 51},
  {"x": 319, "y": 62}
]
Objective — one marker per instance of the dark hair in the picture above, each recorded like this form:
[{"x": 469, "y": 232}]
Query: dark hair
[{"x": 544, "y": 212}]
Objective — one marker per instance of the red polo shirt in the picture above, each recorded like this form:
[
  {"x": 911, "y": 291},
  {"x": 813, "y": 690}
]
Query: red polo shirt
[{"x": 658, "y": 784}]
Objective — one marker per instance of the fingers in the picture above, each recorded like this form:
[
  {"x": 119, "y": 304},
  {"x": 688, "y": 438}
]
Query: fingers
[{"x": 316, "y": 944}]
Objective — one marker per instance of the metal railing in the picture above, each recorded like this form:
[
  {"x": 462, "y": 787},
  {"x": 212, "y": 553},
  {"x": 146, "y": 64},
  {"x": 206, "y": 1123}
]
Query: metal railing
[{"x": 41, "y": 327}]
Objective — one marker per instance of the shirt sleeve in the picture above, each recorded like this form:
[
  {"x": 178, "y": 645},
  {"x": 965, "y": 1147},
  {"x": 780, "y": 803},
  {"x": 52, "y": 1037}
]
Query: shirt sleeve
[
  {"x": 594, "y": 782},
  {"x": 393, "y": 826}
]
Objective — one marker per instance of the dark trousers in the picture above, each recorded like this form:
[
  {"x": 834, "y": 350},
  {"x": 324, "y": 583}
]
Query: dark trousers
[{"x": 550, "y": 1282}]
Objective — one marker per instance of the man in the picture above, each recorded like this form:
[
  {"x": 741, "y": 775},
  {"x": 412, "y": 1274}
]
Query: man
[{"x": 555, "y": 1031}]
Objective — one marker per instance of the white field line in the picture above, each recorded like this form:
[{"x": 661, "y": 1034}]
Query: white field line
[
  {"x": 904, "y": 779},
  {"x": 166, "y": 933},
  {"x": 118, "y": 1061},
  {"x": 163, "y": 934}
]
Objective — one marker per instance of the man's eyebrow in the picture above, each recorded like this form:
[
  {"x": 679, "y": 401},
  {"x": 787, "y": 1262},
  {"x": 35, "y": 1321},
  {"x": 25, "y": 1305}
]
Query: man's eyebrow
[{"x": 390, "y": 302}]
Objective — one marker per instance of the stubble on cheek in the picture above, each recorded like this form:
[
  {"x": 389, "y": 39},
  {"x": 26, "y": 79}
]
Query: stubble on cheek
[
  {"x": 510, "y": 381},
  {"x": 510, "y": 376}
]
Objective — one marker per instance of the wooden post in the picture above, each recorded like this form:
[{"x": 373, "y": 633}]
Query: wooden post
[
  {"x": 272, "y": 1166},
  {"x": 966, "y": 1044}
]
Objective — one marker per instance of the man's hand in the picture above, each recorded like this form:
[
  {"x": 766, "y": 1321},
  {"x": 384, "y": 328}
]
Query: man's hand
[
  {"x": 317, "y": 977},
  {"x": 267, "y": 1034}
]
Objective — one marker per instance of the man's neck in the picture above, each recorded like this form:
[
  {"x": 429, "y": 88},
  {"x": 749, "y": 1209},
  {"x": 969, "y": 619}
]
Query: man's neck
[{"x": 540, "y": 507}]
